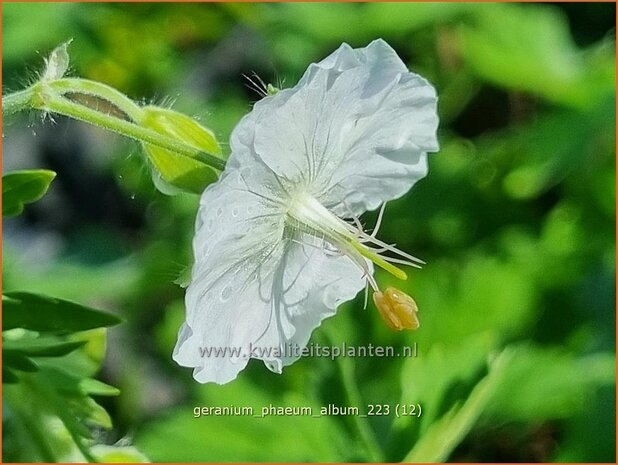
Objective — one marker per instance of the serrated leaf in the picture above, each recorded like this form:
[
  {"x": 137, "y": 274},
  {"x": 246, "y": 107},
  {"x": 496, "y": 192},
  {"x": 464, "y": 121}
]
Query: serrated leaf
[
  {"x": 59, "y": 380},
  {"x": 23, "y": 187},
  {"x": 42, "y": 313},
  {"x": 88, "y": 410}
]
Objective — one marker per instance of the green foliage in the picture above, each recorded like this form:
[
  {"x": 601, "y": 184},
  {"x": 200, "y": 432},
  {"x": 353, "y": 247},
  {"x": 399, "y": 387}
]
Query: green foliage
[
  {"x": 51, "y": 348},
  {"x": 442, "y": 435},
  {"x": 53, "y": 369},
  {"x": 41, "y": 313},
  {"x": 542, "y": 57},
  {"x": 305, "y": 438},
  {"x": 522, "y": 384},
  {"x": 22, "y": 187}
]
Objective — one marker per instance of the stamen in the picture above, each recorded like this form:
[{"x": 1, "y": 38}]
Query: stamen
[
  {"x": 376, "y": 249},
  {"x": 400, "y": 261},
  {"x": 254, "y": 86},
  {"x": 393, "y": 249},
  {"x": 307, "y": 214},
  {"x": 379, "y": 221},
  {"x": 366, "y": 295},
  {"x": 358, "y": 224},
  {"x": 397, "y": 309},
  {"x": 375, "y": 258}
]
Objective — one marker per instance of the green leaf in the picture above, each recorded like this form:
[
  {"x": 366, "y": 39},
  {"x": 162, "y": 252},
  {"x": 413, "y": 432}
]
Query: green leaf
[
  {"x": 22, "y": 187},
  {"x": 400, "y": 19},
  {"x": 45, "y": 346},
  {"x": 98, "y": 415},
  {"x": 523, "y": 384},
  {"x": 545, "y": 384},
  {"x": 42, "y": 313},
  {"x": 97, "y": 388},
  {"x": 443, "y": 377},
  {"x": 280, "y": 438},
  {"x": 18, "y": 361},
  {"x": 529, "y": 48},
  {"x": 446, "y": 433}
]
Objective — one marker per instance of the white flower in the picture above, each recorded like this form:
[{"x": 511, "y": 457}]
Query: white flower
[{"x": 273, "y": 254}]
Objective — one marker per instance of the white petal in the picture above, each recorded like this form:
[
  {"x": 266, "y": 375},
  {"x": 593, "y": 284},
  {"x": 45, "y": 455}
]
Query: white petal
[
  {"x": 237, "y": 248},
  {"x": 252, "y": 288},
  {"x": 356, "y": 127},
  {"x": 310, "y": 285}
]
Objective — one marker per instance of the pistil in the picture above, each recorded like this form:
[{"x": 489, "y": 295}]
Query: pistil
[{"x": 307, "y": 214}]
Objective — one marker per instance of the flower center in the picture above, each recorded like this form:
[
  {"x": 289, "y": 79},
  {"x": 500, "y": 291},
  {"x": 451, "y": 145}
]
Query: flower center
[{"x": 308, "y": 215}]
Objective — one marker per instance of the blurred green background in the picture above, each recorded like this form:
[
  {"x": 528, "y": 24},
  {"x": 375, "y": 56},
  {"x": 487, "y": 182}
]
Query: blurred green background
[{"x": 516, "y": 221}]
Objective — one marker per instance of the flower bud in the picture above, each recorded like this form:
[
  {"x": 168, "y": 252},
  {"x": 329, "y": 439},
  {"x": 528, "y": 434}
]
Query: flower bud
[
  {"x": 173, "y": 172},
  {"x": 57, "y": 63},
  {"x": 397, "y": 309}
]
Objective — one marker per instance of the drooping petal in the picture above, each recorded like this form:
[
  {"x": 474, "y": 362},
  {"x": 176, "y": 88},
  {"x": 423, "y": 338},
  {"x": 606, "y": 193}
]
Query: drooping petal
[
  {"x": 257, "y": 289},
  {"x": 309, "y": 286},
  {"x": 237, "y": 248}
]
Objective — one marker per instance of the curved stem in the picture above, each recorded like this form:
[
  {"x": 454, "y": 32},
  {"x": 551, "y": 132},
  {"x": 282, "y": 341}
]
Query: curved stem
[
  {"x": 63, "y": 106},
  {"x": 363, "y": 427},
  {"x": 17, "y": 101},
  {"x": 103, "y": 91}
]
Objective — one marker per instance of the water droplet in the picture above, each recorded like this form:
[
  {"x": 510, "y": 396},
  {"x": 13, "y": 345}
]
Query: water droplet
[
  {"x": 226, "y": 293},
  {"x": 219, "y": 212},
  {"x": 235, "y": 212},
  {"x": 132, "y": 196}
]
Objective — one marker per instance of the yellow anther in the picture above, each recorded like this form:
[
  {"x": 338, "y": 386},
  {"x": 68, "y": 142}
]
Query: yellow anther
[{"x": 397, "y": 309}]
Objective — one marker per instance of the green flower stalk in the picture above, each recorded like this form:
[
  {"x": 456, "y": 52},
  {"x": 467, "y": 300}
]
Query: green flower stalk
[{"x": 184, "y": 155}]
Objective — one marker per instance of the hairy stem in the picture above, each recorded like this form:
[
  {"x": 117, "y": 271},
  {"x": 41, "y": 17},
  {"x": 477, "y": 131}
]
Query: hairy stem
[
  {"x": 63, "y": 106},
  {"x": 17, "y": 101},
  {"x": 49, "y": 97}
]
